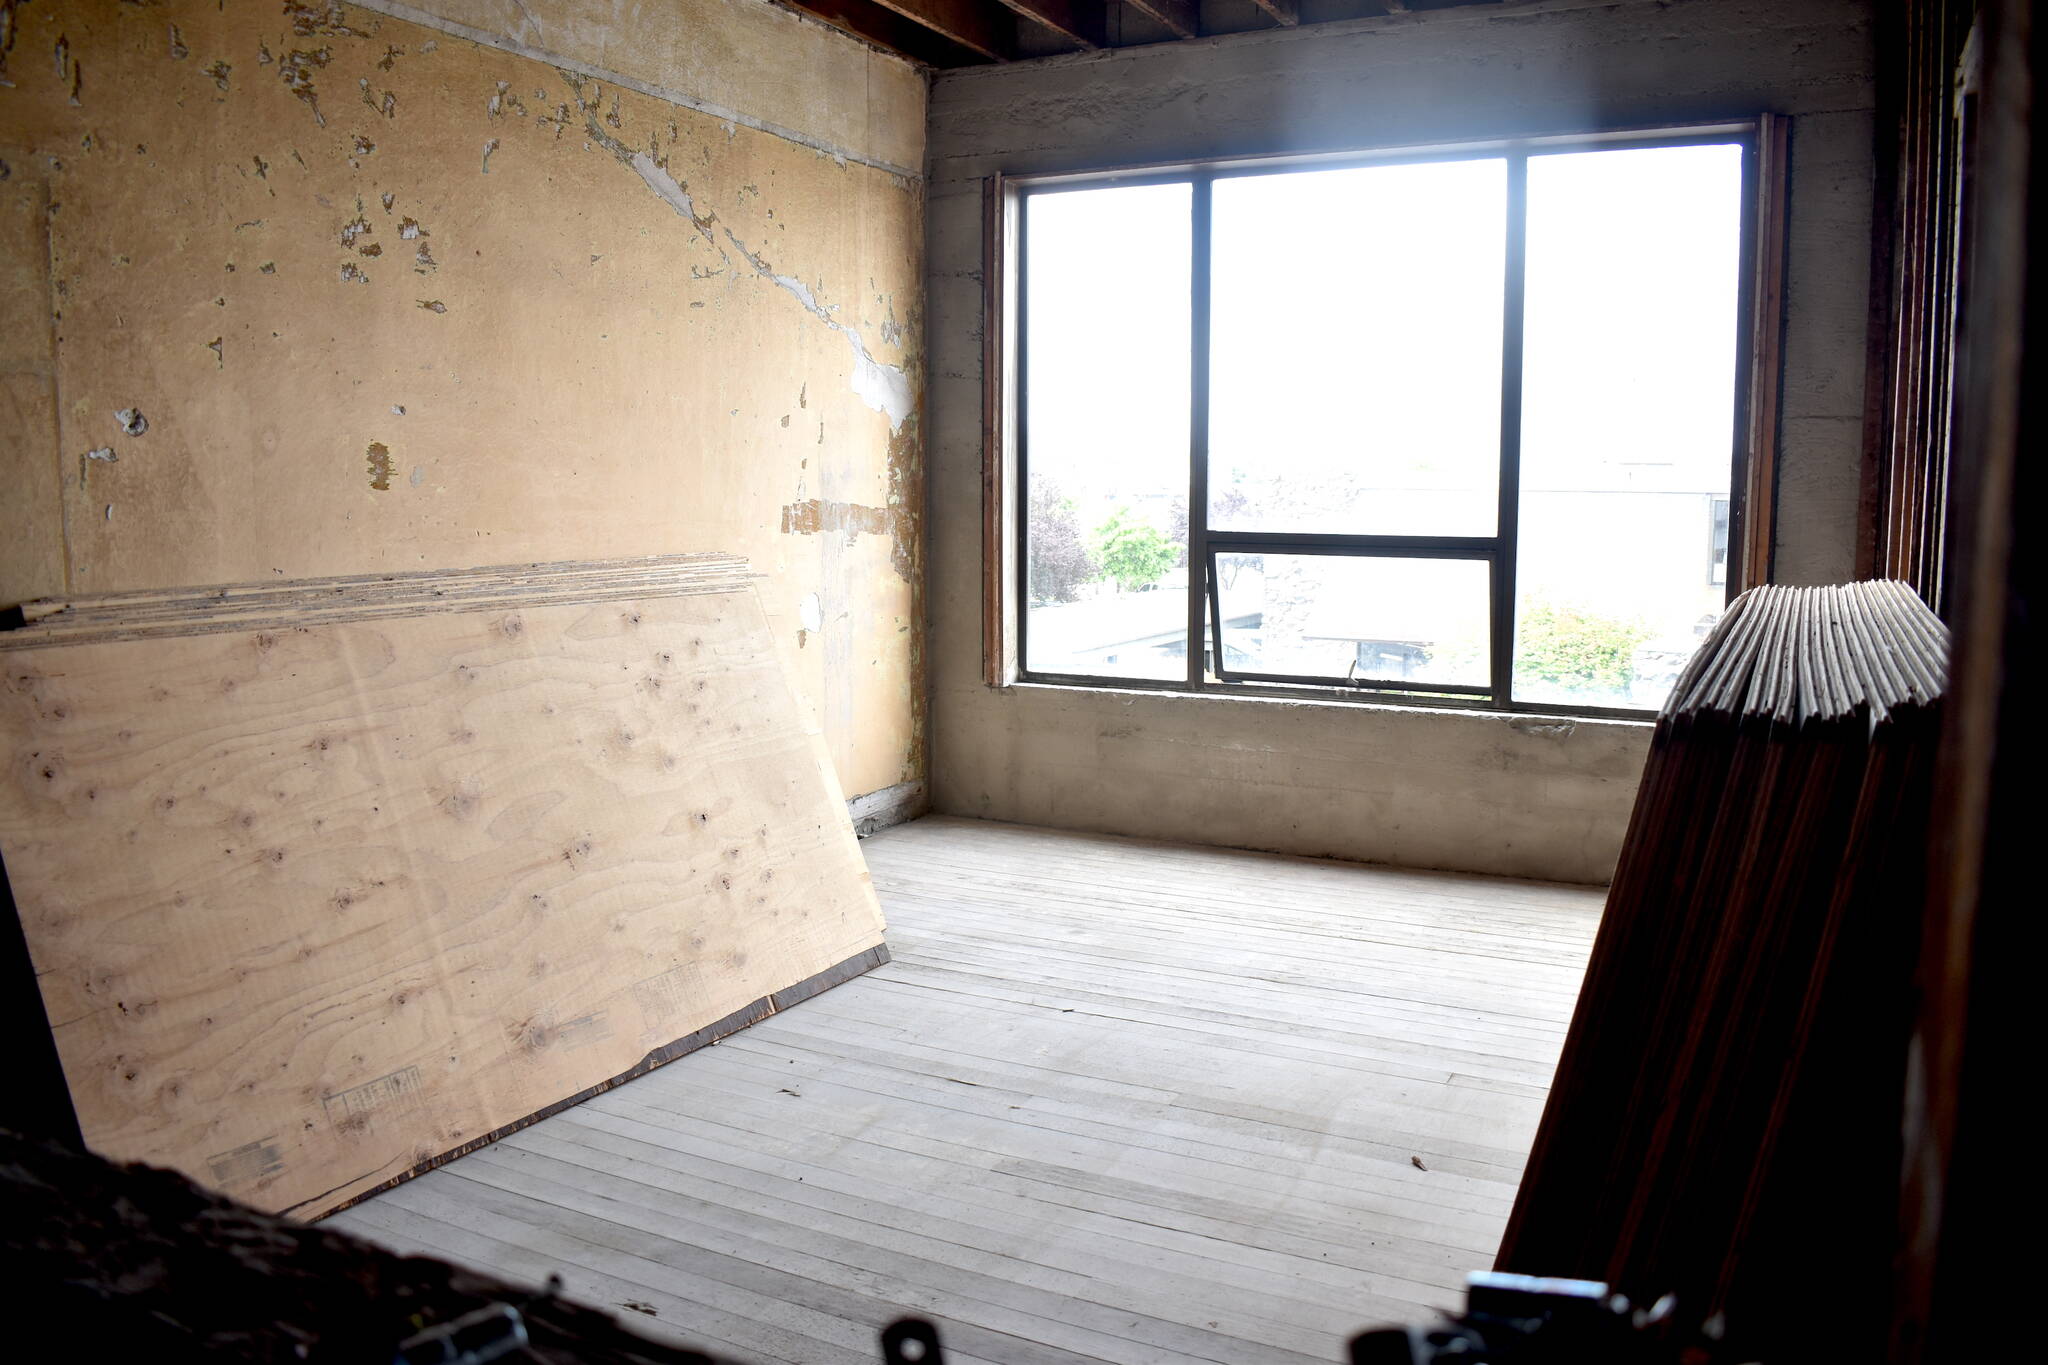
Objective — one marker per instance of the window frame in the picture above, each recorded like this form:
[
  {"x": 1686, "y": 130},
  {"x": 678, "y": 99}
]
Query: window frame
[{"x": 1007, "y": 445}]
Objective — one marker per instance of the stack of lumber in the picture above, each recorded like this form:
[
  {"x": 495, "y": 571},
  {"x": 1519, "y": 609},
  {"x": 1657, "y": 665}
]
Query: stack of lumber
[
  {"x": 1724, "y": 1122},
  {"x": 325, "y": 882}
]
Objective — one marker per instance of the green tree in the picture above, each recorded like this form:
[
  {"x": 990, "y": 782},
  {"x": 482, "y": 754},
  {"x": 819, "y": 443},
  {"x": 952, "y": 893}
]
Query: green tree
[
  {"x": 1577, "y": 650},
  {"x": 1133, "y": 551}
]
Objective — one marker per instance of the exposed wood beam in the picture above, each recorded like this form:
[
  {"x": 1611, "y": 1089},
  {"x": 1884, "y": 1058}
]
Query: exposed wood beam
[
  {"x": 976, "y": 25},
  {"x": 1286, "y": 13},
  {"x": 888, "y": 29},
  {"x": 1082, "y": 20},
  {"x": 1182, "y": 16}
]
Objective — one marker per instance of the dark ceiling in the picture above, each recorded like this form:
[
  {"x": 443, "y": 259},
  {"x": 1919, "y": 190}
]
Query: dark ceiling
[{"x": 953, "y": 33}]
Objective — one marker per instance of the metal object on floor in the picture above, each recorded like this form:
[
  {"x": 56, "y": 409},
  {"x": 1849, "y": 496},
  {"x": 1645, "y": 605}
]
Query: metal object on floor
[
  {"x": 490, "y": 1333},
  {"x": 1530, "y": 1320},
  {"x": 911, "y": 1341}
]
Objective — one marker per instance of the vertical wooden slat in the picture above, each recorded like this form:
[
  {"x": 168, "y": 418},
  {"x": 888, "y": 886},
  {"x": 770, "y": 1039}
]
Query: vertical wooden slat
[
  {"x": 1907, "y": 481},
  {"x": 1979, "y": 963}
]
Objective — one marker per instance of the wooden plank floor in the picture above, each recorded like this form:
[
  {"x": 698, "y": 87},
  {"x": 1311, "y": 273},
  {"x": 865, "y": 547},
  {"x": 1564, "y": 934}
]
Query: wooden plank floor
[{"x": 1113, "y": 1100}]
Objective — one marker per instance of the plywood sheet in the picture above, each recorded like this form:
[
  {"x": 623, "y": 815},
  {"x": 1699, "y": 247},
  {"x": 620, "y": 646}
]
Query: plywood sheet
[{"x": 312, "y": 907}]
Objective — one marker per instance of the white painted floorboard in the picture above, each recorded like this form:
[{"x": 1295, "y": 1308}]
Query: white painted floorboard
[{"x": 1113, "y": 1101}]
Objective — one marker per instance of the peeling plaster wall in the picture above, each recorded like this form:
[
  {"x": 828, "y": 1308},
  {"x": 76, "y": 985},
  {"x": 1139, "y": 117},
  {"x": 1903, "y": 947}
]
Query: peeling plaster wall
[
  {"x": 1456, "y": 790},
  {"x": 413, "y": 286}
]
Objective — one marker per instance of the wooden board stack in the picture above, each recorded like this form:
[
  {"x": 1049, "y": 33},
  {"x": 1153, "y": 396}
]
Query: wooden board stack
[
  {"x": 289, "y": 603},
  {"x": 1724, "y": 1121},
  {"x": 327, "y": 881}
]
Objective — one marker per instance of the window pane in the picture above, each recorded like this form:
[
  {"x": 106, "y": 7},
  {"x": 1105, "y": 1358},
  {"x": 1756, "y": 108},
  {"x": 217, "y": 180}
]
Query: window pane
[
  {"x": 1335, "y": 616},
  {"x": 1355, "y": 350},
  {"x": 1106, "y": 431},
  {"x": 1628, "y": 415}
]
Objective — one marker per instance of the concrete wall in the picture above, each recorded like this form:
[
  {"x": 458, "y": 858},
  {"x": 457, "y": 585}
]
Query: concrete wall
[
  {"x": 1479, "y": 792},
  {"x": 466, "y": 282}
]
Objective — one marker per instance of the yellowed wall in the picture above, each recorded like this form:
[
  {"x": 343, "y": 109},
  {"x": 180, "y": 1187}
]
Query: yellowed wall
[{"x": 391, "y": 298}]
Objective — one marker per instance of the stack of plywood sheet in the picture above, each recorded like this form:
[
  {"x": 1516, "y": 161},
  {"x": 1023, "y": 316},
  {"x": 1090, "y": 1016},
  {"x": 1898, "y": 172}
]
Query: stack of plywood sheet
[
  {"x": 1725, "y": 1118},
  {"x": 328, "y": 881}
]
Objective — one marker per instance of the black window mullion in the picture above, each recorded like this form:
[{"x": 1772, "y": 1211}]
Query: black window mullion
[
  {"x": 1507, "y": 528},
  {"x": 1198, "y": 426},
  {"x": 1369, "y": 546},
  {"x": 1339, "y": 547}
]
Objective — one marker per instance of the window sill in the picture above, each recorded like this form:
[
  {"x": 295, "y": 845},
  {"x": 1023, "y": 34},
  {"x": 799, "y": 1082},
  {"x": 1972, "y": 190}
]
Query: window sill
[{"x": 1521, "y": 716}]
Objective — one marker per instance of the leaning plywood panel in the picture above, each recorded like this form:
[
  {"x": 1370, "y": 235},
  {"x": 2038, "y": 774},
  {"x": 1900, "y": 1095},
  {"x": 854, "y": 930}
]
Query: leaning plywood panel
[{"x": 315, "y": 907}]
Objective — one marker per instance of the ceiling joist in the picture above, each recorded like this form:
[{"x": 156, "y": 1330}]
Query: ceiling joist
[
  {"x": 952, "y": 33},
  {"x": 887, "y": 29},
  {"x": 1184, "y": 17},
  {"x": 978, "y": 26},
  {"x": 1084, "y": 21}
]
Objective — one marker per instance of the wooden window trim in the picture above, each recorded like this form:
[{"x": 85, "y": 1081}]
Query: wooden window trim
[
  {"x": 998, "y": 453},
  {"x": 1752, "y": 532}
]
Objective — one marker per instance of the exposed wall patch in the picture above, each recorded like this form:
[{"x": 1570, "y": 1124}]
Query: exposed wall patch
[
  {"x": 664, "y": 185},
  {"x": 823, "y": 516},
  {"x": 328, "y": 18},
  {"x": 885, "y": 388},
  {"x": 296, "y": 71},
  {"x": 379, "y": 458}
]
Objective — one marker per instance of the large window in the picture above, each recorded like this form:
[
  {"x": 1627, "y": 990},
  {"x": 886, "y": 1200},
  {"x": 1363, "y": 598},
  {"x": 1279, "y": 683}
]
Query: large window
[{"x": 1462, "y": 427}]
